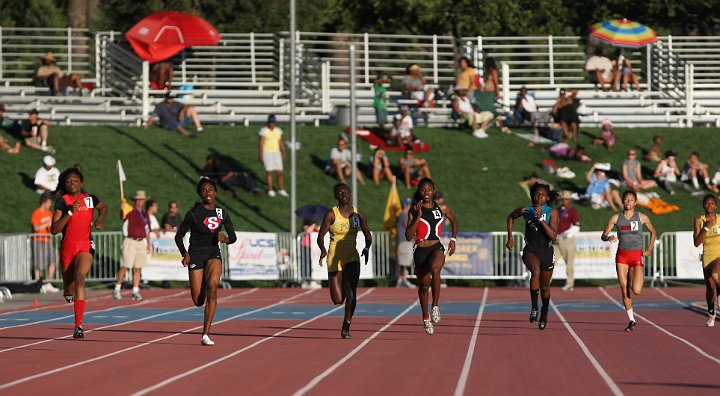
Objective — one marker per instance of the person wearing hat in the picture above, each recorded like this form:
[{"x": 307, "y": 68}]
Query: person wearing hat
[
  {"x": 54, "y": 77},
  {"x": 404, "y": 247},
  {"x": 46, "y": 178},
  {"x": 416, "y": 87},
  {"x": 34, "y": 132},
  {"x": 175, "y": 116},
  {"x": 565, "y": 244},
  {"x": 271, "y": 152},
  {"x": 599, "y": 192},
  {"x": 667, "y": 173},
  {"x": 136, "y": 246}
]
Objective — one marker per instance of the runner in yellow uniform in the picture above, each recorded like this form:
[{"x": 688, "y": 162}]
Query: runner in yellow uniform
[{"x": 707, "y": 233}]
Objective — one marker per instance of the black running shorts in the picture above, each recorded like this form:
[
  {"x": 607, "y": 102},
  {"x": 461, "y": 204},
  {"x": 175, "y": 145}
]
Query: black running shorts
[
  {"x": 422, "y": 256},
  {"x": 199, "y": 258},
  {"x": 545, "y": 255}
]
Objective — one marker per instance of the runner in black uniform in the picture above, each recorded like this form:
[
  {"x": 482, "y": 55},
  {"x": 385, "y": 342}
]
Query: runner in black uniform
[
  {"x": 203, "y": 261},
  {"x": 425, "y": 223},
  {"x": 541, "y": 224}
]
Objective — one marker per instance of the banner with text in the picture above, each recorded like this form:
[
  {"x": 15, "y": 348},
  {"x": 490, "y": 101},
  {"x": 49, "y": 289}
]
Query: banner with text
[
  {"x": 687, "y": 256},
  {"x": 594, "y": 259},
  {"x": 165, "y": 262},
  {"x": 473, "y": 255},
  {"x": 253, "y": 256},
  {"x": 320, "y": 273}
]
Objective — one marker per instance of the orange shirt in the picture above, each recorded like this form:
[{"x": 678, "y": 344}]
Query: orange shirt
[{"x": 40, "y": 217}]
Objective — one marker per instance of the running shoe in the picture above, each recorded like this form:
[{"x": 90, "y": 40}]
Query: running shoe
[
  {"x": 79, "y": 333},
  {"x": 136, "y": 296},
  {"x": 631, "y": 326},
  {"x": 435, "y": 314},
  {"x": 711, "y": 321},
  {"x": 345, "y": 332},
  {"x": 533, "y": 315},
  {"x": 117, "y": 295},
  {"x": 206, "y": 341},
  {"x": 543, "y": 322},
  {"x": 428, "y": 327},
  {"x": 69, "y": 297}
]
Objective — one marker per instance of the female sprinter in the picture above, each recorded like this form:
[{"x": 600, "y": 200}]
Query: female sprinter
[
  {"x": 425, "y": 222},
  {"x": 707, "y": 233},
  {"x": 343, "y": 221},
  {"x": 629, "y": 257},
  {"x": 203, "y": 261},
  {"x": 73, "y": 216},
  {"x": 541, "y": 225}
]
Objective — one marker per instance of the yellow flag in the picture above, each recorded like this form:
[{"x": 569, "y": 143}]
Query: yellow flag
[
  {"x": 125, "y": 207},
  {"x": 392, "y": 210}
]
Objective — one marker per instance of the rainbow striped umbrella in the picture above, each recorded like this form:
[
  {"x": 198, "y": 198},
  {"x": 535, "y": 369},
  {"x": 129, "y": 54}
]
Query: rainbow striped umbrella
[{"x": 623, "y": 33}]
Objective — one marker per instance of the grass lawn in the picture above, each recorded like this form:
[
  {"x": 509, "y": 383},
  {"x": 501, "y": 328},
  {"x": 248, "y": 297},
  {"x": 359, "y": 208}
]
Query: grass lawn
[{"x": 167, "y": 166}]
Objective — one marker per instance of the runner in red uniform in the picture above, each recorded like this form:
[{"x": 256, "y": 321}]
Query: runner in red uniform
[{"x": 73, "y": 216}]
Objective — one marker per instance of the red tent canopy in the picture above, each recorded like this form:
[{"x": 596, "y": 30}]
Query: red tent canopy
[{"x": 163, "y": 34}]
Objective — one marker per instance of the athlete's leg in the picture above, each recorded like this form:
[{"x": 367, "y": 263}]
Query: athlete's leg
[
  {"x": 532, "y": 263},
  {"x": 637, "y": 278},
  {"x": 623, "y": 275},
  {"x": 335, "y": 283},
  {"x": 715, "y": 274},
  {"x": 211, "y": 273},
  {"x": 710, "y": 286},
  {"x": 68, "y": 275},
  {"x": 436, "y": 265},
  {"x": 351, "y": 278},
  {"x": 83, "y": 261},
  {"x": 423, "y": 277},
  {"x": 197, "y": 286}
]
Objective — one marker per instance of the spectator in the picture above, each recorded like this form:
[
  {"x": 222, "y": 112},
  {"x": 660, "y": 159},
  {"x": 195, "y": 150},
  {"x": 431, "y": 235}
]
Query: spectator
[
  {"x": 667, "y": 173},
  {"x": 655, "y": 153},
  {"x": 607, "y": 136},
  {"x": 598, "y": 191},
  {"x": 174, "y": 116},
  {"x": 151, "y": 207},
  {"x": 599, "y": 69},
  {"x": 413, "y": 168},
  {"x": 400, "y": 136},
  {"x": 565, "y": 244},
  {"x": 172, "y": 219},
  {"x": 404, "y": 248},
  {"x": 416, "y": 87},
  {"x": 526, "y": 108},
  {"x": 565, "y": 152},
  {"x": 381, "y": 167},
  {"x": 405, "y": 127},
  {"x": 492, "y": 79},
  {"x": 34, "y": 132},
  {"x": 467, "y": 77},
  {"x": 7, "y": 124},
  {"x": 272, "y": 155},
  {"x": 565, "y": 111},
  {"x": 623, "y": 70},
  {"x": 380, "y": 100},
  {"x": 340, "y": 162},
  {"x": 44, "y": 256},
  {"x": 227, "y": 178},
  {"x": 46, "y": 178},
  {"x": 467, "y": 114},
  {"x": 715, "y": 182},
  {"x": 161, "y": 74},
  {"x": 55, "y": 78},
  {"x": 136, "y": 247},
  {"x": 694, "y": 168},
  {"x": 632, "y": 173}
]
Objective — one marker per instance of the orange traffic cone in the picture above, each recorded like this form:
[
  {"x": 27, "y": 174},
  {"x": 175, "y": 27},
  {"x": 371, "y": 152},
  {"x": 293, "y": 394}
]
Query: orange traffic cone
[{"x": 36, "y": 303}]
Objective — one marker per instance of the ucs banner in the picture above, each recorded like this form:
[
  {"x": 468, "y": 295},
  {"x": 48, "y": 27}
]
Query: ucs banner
[
  {"x": 473, "y": 255},
  {"x": 253, "y": 256}
]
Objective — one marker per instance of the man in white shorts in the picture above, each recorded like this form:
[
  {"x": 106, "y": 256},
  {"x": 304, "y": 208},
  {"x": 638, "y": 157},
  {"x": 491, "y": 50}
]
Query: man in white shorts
[
  {"x": 136, "y": 246},
  {"x": 272, "y": 155}
]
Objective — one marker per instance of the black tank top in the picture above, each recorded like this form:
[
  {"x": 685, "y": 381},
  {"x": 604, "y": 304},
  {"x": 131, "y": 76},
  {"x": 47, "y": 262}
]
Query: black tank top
[{"x": 430, "y": 226}]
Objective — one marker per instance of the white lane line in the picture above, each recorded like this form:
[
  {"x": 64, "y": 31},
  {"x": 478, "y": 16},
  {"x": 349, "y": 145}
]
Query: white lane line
[
  {"x": 352, "y": 353},
  {"x": 605, "y": 376},
  {"x": 239, "y": 351},
  {"x": 462, "y": 381},
  {"x": 684, "y": 341},
  {"x": 670, "y": 297},
  {"x": 88, "y": 361},
  {"x": 123, "y": 323}
]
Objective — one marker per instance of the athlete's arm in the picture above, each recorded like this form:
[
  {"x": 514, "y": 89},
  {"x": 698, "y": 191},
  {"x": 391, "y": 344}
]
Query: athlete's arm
[
  {"x": 451, "y": 216},
  {"x": 227, "y": 223},
  {"x": 368, "y": 236},
  {"x": 646, "y": 222},
  {"x": 185, "y": 226},
  {"x": 61, "y": 216},
  {"x": 413, "y": 220},
  {"x": 608, "y": 228},
  {"x": 328, "y": 219},
  {"x": 102, "y": 212},
  {"x": 699, "y": 232},
  {"x": 510, "y": 244},
  {"x": 551, "y": 229}
]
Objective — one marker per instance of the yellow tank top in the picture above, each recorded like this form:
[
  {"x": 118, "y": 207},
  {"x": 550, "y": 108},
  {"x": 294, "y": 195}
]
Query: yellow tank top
[
  {"x": 711, "y": 245},
  {"x": 343, "y": 235}
]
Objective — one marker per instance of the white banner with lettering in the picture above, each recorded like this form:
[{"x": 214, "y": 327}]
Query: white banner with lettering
[
  {"x": 594, "y": 259},
  {"x": 687, "y": 256},
  {"x": 320, "y": 273},
  {"x": 165, "y": 262},
  {"x": 253, "y": 256}
]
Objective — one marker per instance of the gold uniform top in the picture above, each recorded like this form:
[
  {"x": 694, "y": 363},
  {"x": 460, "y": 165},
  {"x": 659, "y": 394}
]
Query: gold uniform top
[
  {"x": 343, "y": 245},
  {"x": 711, "y": 245}
]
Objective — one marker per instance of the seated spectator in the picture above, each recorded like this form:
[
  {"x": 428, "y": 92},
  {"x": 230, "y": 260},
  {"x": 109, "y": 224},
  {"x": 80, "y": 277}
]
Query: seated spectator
[
  {"x": 632, "y": 173},
  {"x": 715, "y": 182},
  {"x": 172, "y": 219},
  {"x": 413, "y": 168},
  {"x": 151, "y": 207},
  {"x": 623, "y": 70},
  {"x": 54, "y": 77},
  {"x": 340, "y": 162},
  {"x": 599, "y": 192},
  {"x": 466, "y": 113},
  {"x": 468, "y": 77},
  {"x": 655, "y": 154},
  {"x": 694, "y": 168},
  {"x": 607, "y": 136},
  {"x": 565, "y": 111},
  {"x": 4, "y": 146},
  {"x": 380, "y": 100},
  {"x": 599, "y": 69},
  {"x": 399, "y": 136},
  {"x": 416, "y": 87},
  {"x": 174, "y": 116},
  {"x": 380, "y": 165},
  {"x": 565, "y": 152},
  {"x": 161, "y": 74},
  {"x": 46, "y": 178},
  {"x": 34, "y": 132},
  {"x": 526, "y": 108},
  {"x": 227, "y": 178},
  {"x": 667, "y": 174},
  {"x": 10, "y": 126},
  {"x": 404, "y": 133}
]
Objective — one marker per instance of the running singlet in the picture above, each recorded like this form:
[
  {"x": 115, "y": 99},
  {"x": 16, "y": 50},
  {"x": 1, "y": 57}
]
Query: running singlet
[
  {"x": 711, "y": 244},
  {"x": 204, "y": 226},
  {"x": 630, "y": 232},
  {"x": 430, "y": 226},
  {"x": 77, "y": 229},
  {"x": 535, "y": 235},
  {"x": 343, "y": 238}
]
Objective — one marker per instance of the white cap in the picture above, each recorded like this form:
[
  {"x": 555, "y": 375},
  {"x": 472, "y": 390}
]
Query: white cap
[{"x": 49, "y": 160}]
